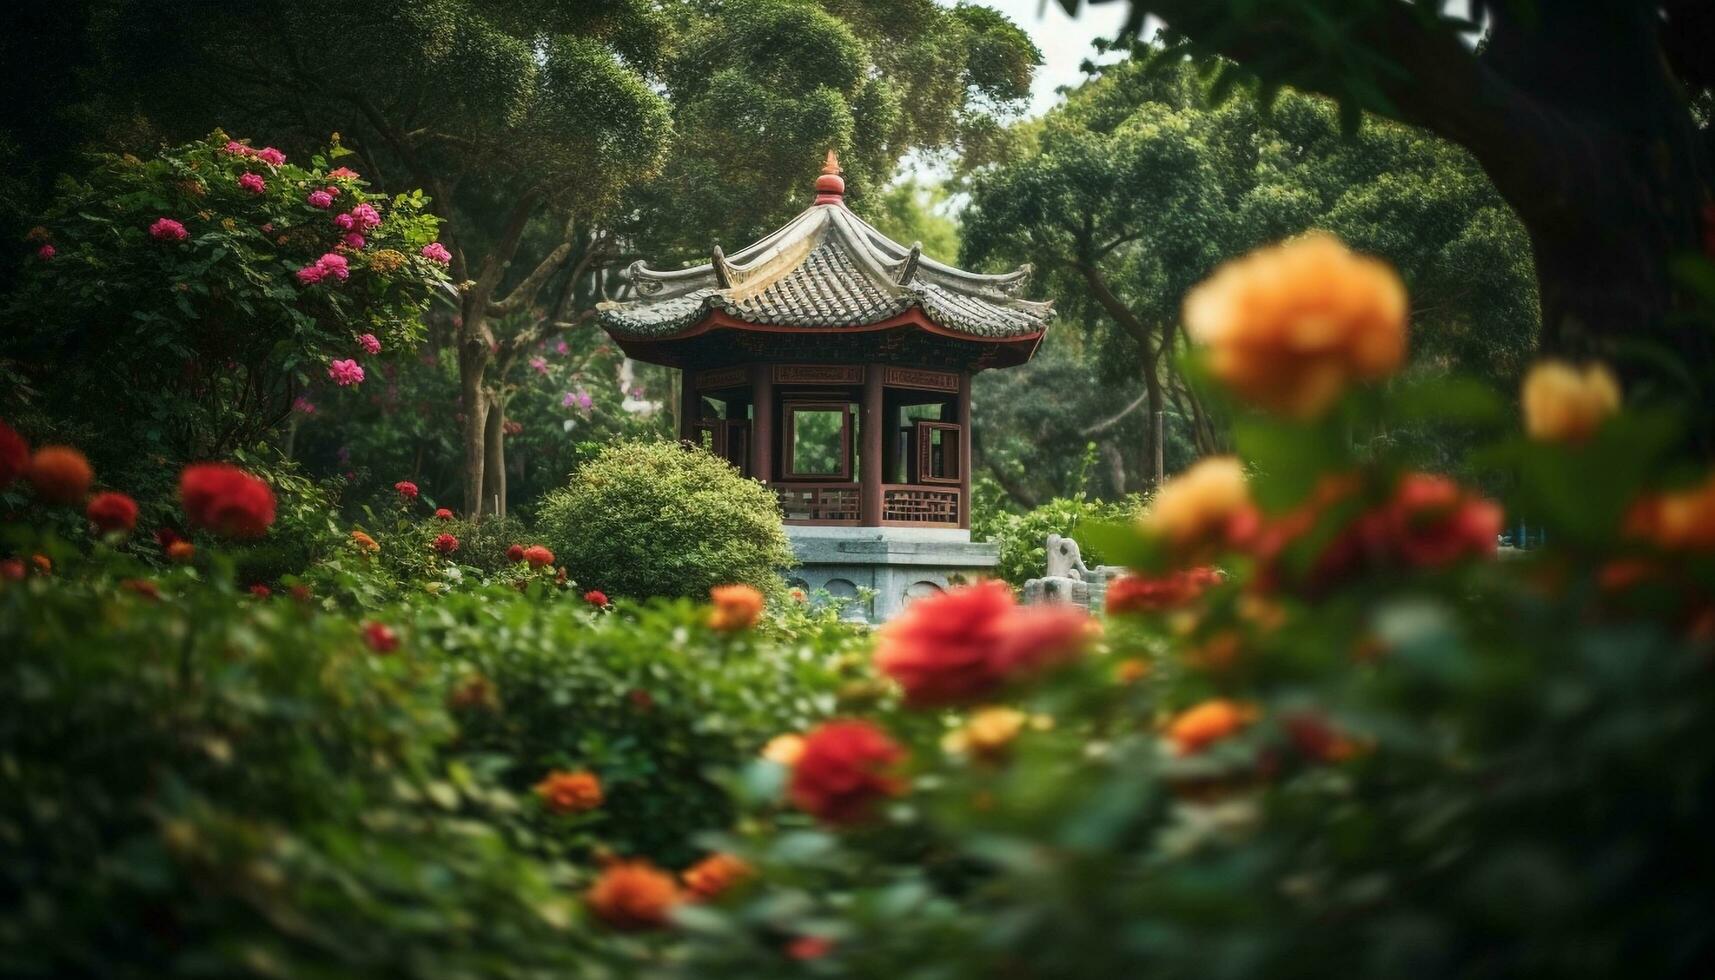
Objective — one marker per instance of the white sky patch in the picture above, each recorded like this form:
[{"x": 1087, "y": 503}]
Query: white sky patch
[{"x": 1064, "y": 41}]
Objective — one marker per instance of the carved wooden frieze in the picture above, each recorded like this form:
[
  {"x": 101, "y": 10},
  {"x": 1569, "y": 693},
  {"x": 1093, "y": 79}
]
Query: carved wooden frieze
[
  {"x": 730, "y": 377},
  {"x": 819, "y": 374},
  {"x": 903, "y": 377}
]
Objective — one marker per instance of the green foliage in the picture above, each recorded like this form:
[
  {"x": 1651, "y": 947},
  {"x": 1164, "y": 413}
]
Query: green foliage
[
  {"x": 138, "y": 347},
  {"x": 211, "y": 785},
  {"x": 650, "y": 700},
  {"x": 1023, "y": 537},
  {"x": 656, "y": 519}
]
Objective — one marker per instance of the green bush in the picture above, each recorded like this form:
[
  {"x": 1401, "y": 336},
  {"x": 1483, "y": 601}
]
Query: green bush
[
  {"x": 1023, "y": 538},
  {"x": 656, "y": 519},
  {"x": 208, "y": 784}
]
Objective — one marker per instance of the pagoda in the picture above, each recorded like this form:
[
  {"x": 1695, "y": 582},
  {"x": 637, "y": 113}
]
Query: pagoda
[{"x": 834, "y": 365}]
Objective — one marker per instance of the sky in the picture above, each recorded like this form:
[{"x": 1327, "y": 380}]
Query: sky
[{"x": 1065, "y": 41}]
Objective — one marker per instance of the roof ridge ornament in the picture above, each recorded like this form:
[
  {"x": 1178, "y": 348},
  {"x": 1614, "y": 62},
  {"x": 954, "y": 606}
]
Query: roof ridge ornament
[
  {"x": 830, "y": 186},
  {"x": 722, "y": 269},
  {"x": 909, "y": 269}
]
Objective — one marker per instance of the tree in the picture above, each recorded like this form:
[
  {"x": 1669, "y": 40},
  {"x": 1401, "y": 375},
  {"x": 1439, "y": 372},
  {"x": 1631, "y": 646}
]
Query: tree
[
  {"x": 560, "y": 143},
  {"x": 1581, "y": 113},
  {"x": 1139, "y": 185}
]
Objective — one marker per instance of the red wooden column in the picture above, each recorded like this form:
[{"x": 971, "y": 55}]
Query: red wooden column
[
  {"x": 762, "y": 422},
  {"x": 965, "y": 449},
  {"x": 689, "y": 406},
  {"x": 869, "y": 458}
]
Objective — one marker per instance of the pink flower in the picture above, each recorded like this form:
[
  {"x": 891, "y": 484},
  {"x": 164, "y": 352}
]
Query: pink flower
[
  {"x": 332, "y": 190},
  {"x": 251, "y": 182},
  {"x": 538, "y": 365},
  {"x": 168, "y": 230},
  {"x": 320, "y": 199},
  {"x": 560, "y": 347},
  {"x": 236, "y": 148},
  {"x": 271, "y": 156},
  {"x": 369, "y": 344},
  {"x": 303, "y": 406},
  {"x": 46, "y": 252},
  {"x": 345, "y": 373},
  {"x": 352, "y": 239},
  {"x": 309, "y": 275},
  {"x": 367, "y": 217},
  {"x": 436, "y": 252},
  {"x": 344, "y": 222},
  {"x": 334, "y": 264},
  {"x": 342, "y": 173}
]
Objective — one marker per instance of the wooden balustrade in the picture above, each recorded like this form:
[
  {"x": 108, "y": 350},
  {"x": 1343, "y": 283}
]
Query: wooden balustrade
[{"x": 903, "y": 504}]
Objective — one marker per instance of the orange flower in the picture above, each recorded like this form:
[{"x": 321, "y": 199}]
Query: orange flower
[
  {"x": 1683, "y": 520},
  {"x": 570, "y": 792},
  {"x": 181, "y": 552},
  {"x": 1131, "y": 670},
  {"x": 60, "y": 474},
  {"x": 713, "y": 875},
  {"x": 964, "y": 644},
  {"x": 43, "y": 563},
  {"x": 784, "y": 749},
  {"x": 737, "y": 607},
  {"x": 1563, "y": 404},
  {"x": 1290, "y": 327},
  {"x": 633, "y": 895},
  {"x": 475, "y": 692},
  {"x": 1195, "y": 729},
  {"x": 364, "y": 542},
  {"x": 1202, "y": 510}
]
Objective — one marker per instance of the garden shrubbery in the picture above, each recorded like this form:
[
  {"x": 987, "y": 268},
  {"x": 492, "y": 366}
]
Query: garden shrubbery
[{"x": 657, "y": 519}]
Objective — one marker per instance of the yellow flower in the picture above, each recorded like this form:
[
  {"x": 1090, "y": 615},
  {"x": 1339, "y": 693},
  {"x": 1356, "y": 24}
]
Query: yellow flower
[
  {"x": 1288, "y": 328},
  {"x": 387, "y": 260},
  {"x": 784, "y": 749},
  {"x": 1563, "y": 404},
  {"x": 987, "y": 734},
  {"x": 1198, "y": 508}
]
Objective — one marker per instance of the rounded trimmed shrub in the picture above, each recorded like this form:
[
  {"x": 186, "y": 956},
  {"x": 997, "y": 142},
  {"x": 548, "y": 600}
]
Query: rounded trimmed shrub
[{"x": 657, "y": 519}]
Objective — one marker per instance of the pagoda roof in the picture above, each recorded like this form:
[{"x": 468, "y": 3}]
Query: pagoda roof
[{"x": 826, "y": 269}]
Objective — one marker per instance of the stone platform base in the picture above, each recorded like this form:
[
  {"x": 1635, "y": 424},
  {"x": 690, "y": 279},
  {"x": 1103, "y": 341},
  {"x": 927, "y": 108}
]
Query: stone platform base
[{"x": 899, "y": 563}]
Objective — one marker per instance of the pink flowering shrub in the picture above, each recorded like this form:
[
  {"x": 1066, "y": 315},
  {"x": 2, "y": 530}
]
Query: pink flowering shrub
[
  {"x": 215, "y": 268},
  {"x": 345, "y": 373},
  {"x": 436, "y": 252}
]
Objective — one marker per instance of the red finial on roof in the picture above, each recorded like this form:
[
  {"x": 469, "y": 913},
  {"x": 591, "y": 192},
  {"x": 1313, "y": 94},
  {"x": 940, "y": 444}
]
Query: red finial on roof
[{"x": 831, "y": 187}]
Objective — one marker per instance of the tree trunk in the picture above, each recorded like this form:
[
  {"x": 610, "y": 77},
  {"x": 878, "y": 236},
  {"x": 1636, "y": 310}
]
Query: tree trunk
[
  {"x": 494, "y": 456},
  {"x": 1154, "y": 454},
  {"x": 473, "y": 401}
]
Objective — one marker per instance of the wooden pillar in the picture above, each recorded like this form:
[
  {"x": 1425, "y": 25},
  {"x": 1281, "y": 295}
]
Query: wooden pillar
[
  {"x": 689, "y": 406},
  {"x": 762, "y": 422},
  {"x": 965, "y": 449},
  {"x": 869, "y": 458}
]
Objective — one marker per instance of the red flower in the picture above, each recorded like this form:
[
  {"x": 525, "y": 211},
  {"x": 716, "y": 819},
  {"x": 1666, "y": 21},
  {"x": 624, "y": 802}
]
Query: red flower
[
  {"x": 165, "y": 537},
  {"x": 181, "y": 552},
  {"x": 964, "y": 644},
  {"x": 446, "y": 544},
  {"x": 380, "y": 637},
  {"x": 564, "y": 792},
  {"x": 515, "y": 554},
  {"x": 443, "y": 514},
  {"x": 261, "y": 591},
  {"x": 809, "y": 947},
  {"x": 1433, "y": 522},
  {"x": 846, "y": 768},
  {"x": 14, "y": 455},
  {"x": 112, "y": 512},
  {"x": 406, "y": 489},
  {"x": 142, "y": 587},
  {"x": 226, "y": 500},
  {"x": 596, "y": 597},
  {"x": 60, "y": 474},
  {"x": 12, "y": 570},
  {"x": 538, "y": 556},
  {"x": 1134, "y": 593}
]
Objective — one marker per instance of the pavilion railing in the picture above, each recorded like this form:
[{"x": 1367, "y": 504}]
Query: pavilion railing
[
  {"x": 819, "y": 503},
  {"x": 905, "y": 503}
]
